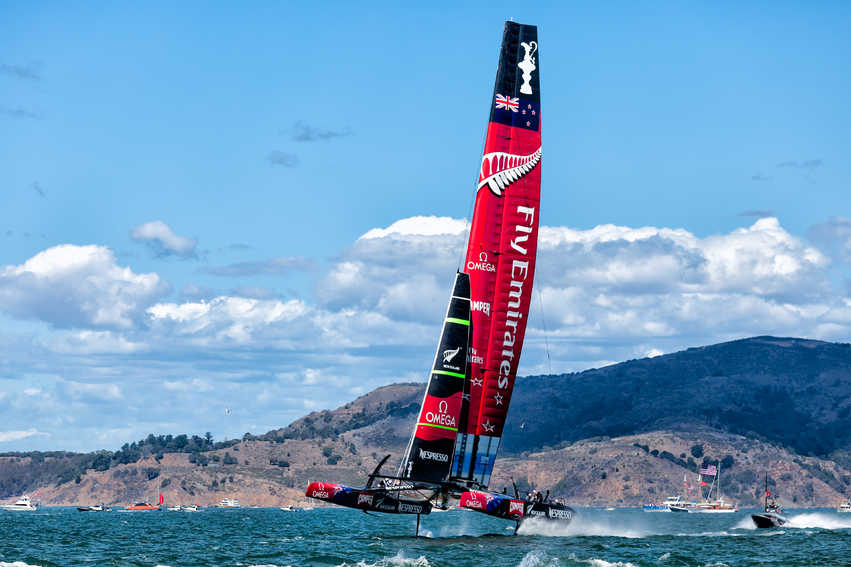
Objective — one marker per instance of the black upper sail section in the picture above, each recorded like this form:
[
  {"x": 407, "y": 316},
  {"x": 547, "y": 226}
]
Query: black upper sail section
[
  {"x": 517, "y": 93},
  {"x": 429, "y": 454}
]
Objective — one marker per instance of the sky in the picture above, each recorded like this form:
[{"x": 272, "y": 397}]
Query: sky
[{"x": 221, "y": 216}]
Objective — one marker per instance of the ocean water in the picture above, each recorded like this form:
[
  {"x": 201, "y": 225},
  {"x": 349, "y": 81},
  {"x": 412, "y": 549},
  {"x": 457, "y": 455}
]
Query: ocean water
[{"x": 340, "y": 537}]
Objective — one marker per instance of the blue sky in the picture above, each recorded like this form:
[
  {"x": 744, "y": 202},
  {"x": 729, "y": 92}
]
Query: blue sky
[{"x": 186, "y": 189}]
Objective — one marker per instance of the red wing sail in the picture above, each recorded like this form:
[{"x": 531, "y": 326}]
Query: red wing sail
[
  {"x": 429, "y": 454},
  {"x": 501, "y": 250}
]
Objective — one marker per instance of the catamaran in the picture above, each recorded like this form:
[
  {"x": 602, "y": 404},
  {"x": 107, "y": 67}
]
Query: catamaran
[{"x": 451, "y": 454}]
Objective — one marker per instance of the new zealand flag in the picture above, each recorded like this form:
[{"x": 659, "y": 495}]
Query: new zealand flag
[{"x": 523, "y": 114}]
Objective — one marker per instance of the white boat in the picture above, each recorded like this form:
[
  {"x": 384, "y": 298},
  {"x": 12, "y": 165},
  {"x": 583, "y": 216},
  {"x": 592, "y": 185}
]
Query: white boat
[
  {"x": 714, "y": 507},
  {"x": 665, "y": 506},
  {"x": 710, "y": 505},
  {"x": 229, "y": 503},
  {"x": 844, "y": 508},
  {"x": 96, "y": 508},
  {"x": 291, "y": 509},
  {"x": 24, "y": 504},
  {"x": 190, "y": 508},
  {"x": 174, "y": 508}
]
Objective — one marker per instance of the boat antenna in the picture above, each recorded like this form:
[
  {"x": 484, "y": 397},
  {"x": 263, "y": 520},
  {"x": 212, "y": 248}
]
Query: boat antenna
[{"x": 766, "y": 492}]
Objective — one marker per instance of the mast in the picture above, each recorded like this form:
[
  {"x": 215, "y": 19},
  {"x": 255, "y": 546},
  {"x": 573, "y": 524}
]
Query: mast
[
  {"x": 718, "y": 478},
  {"x": 501, "y": 250}
]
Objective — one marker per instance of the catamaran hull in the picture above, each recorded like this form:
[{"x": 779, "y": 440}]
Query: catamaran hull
[
  {"x": 507, "y": 508},
  {"x": 768, "y": 520},
  {"x": 367, "y": 499},
  {"x": 498, "y": 505}
]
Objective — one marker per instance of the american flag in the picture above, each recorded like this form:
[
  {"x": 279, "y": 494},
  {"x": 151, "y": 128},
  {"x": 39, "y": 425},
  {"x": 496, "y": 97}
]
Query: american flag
[
  {"x": 507, "y": 103},
  {"x": 709, "y": 470}
]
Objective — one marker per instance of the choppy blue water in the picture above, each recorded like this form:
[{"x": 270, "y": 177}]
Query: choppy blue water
[{"x": 333, "y": 537}]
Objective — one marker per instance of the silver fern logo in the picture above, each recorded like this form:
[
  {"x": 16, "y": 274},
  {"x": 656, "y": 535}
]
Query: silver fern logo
[
  {"x": 501, "y": 169},
  {"x": 448, "y": 355}
]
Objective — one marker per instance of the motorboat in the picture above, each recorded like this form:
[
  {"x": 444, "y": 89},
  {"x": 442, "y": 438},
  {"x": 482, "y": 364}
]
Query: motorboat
[
  {"x": 23, "y": 504},
  {"x": 190, "y": 508},
  {"x": 96, "y": 508},
  {"x": 844, "y": 508},
  {"x": 290, "y": 508},
  {"x": 229, "y": 503},
  {"x": 666, "y": 506},
  {"x": 177, "y": 508},
  {"x": 772, "y": 516},
  {"x": 142, "y": 507}
]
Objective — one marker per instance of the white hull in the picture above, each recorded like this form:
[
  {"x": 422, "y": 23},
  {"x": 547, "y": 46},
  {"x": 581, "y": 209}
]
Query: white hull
[{"x": 24, "y": 504}]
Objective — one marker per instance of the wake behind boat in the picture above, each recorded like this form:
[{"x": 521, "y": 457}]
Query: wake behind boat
[{"x": 452, "y": 451}]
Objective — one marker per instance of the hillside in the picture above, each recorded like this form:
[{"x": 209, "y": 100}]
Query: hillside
[
  {"x": 624, "y": 434},
  {"x": 792, "y": 392}
]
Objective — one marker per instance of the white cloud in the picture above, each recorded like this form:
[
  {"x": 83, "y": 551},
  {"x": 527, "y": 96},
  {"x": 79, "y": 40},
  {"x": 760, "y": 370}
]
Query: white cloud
[
  {"x": 163, "y": 240},
  {"x": 419, "y": 226},
  {"x": 400, "y": 271},
  {"x": 6, "y": 436},
  {"x": 609, "y": 293},
  {"x": 77, "y": 286},
  {"x": 608, "y": 284}
]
